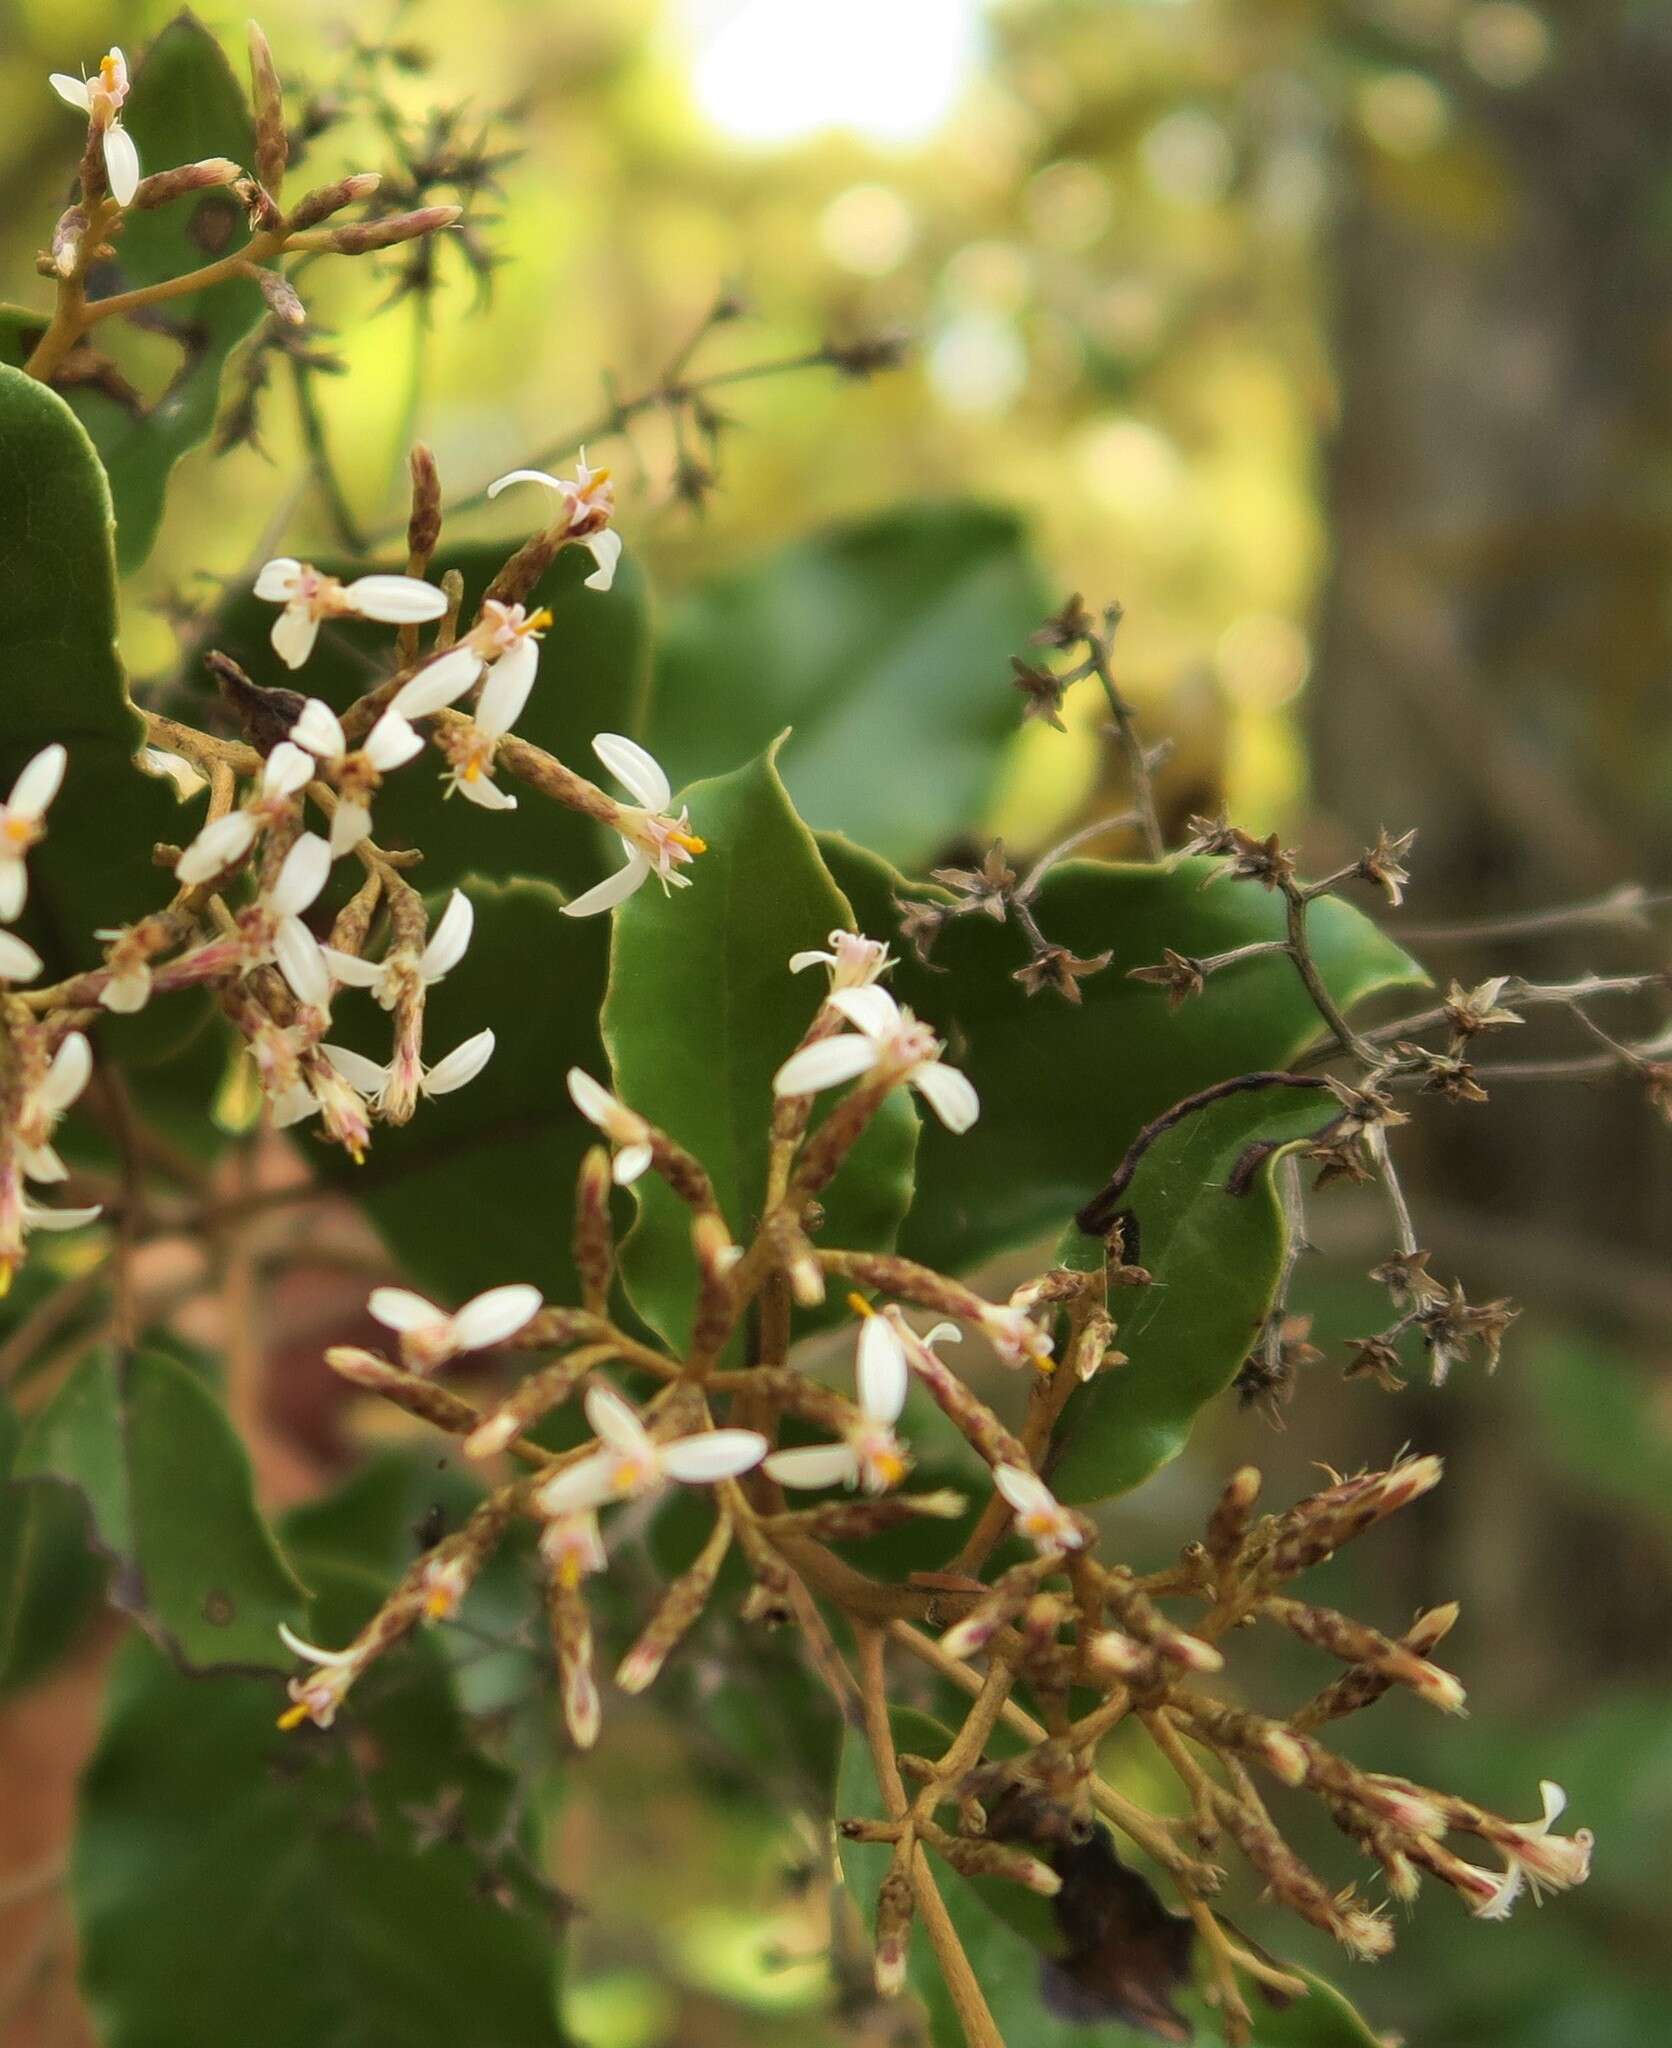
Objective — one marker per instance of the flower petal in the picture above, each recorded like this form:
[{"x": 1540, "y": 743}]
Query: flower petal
[
  {"x": 634, "y": 769},
  {"x": 39, "y": 782},
  {"x": 614, "y": 889},
  {"x": 615, "y": 1423},
  {"x": 18, "y": 962},
  {"x": 592, "y": 1098},
  {"x": 1026, "y": 1492},
  {"x": 506, "y": 691},
  {"x": 392, "y": 742},
  {"x": 873, "y": 1010},
  {"x": 361, "y": 1074},
  {"x": 801, "y": 961},
  {"x": 716, "y": 1454},
  {"x": 61, "y": 1219},
  {"x": 450, "y": 938},
  {"x": 398, "y": 1308},
  {"x": 826, "y": 1064},
  {"x": 490, "y": 1318},
  {"x": 287, "y": 769},
  {"x": 73, "y": 91},
  {"x": 438, "y": 683},
  {"x": 526, "y": 476},
  {"x": 588, "y": 1483},
  {"x": 604, "y": 547},
  {"x": 121, "y": 161},
  {"x": 351, "y": 970},
  {"x": 276, "y": 583},
  {"x": 14, "y": 885},
  {"x": 311, "y": 1652},
  {"x": 814, "y": 1465},
  {"x": 882, "y": 1370},
  {"x": 305, "y": 871},
  {"x": 297, "y": 1102},
  {"x": 630, "y": 1164},
  {"x": 351, "y": 822},
  {"x": 302, "y": 963},
  {"x": 294, "y": 632},
  {"x": 487, "y": 793},
  {"x": 221, "y": 842},
  {"x": 318, "y": 728},
  {"x": 72, "y": 1067},
  {"x": 462, "y": 1064},
  {"x": 949, "y": 1094},
  {"x": 395, "y": 600}
]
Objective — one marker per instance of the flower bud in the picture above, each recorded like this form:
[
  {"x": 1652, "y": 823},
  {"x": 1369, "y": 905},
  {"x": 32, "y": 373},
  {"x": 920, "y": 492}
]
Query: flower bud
[
  {"x": 272, "y": 145},
  {"x": 326, "y": 200},
  {"x": 362, "y": 237}
]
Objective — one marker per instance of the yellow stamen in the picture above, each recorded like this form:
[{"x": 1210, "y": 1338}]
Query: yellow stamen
[
  {"x": 6, "y": 1270},
  {"x": 569, "y": 1573},
  {"x": 439, "y": 1604},
  {"x": 860, "y": 1306},
  {"x": 599, "y": 476},
  {"x": 690, "y": 842},
  {"x": 539, "y": 621},
  {"x": 20, "y": 831},
  {"x": 293, "y": 1717},
  {"x": 891, "y": 1468}
]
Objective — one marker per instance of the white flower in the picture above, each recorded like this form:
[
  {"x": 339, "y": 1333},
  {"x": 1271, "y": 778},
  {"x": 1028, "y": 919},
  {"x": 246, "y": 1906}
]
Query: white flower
[
  {"x": 460, "y": 1066},
  {"x": 226, "y": 840},
  {"x": 356, "y": 772},
  {"x": 317, "y": 1697},
  {"x": 872, "y": 1456},
  {"x": 1535, "y": 1858},
  {"x": 506, "y": 637},
  {"x": 298, "y": 954},
  {"x": 889, "y": 1043},
  {"x": 45, "y": 1103},
  {"x": 1040, "y": 1517},
  {"x": 100, "y": 99},
  {"x": 1016, "y": 1338},
  {"x": 403, "y": 968},
  {"x": 655, "y": 842},
  {"x": 430, "y": 1336},
  {"x": 629, "y": 1462},
  {"x": 572, "y": 1546},
  {"x": 625, "y": 1129},
  {"x": 309, "y": 595},
  {"x": 23, "y": 824},
  {"x": 854, "y": 960},
  {"x": 18, "y": 961},
  {"x": 590, "y": 499},
  {"x": 471, "y": 749}
]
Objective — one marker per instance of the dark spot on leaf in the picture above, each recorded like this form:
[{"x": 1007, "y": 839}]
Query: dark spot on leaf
[
  {"x": 215, "y": 220},
  {"x": 218, "y": 1608}
]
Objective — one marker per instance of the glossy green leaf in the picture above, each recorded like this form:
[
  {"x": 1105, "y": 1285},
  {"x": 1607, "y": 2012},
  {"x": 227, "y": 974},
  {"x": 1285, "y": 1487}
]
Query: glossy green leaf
[
  {"x": 186, "y": 104},
  {"x": 166, "y": 1487},
  {"x": 883, "y": 644},
  {"x": 702, "y": 1010},
  {"x": 60, "y": 680},
  {"x": 479, "y": 1187},
  {"x": 1208, "y": 1226},
  {"x": 235, "y": 1883},
  {"x": 1007, "y": 1934},
  {"x": 50, "y": 1581},
  {"x": 594, "y": 665},
  {"x": 1065, "y": 1090}
]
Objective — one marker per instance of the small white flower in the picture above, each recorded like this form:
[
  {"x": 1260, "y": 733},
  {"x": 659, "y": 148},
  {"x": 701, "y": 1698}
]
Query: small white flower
[
  {"x": 45, "y": 1103},
  {"x": 872, "y": 1456},
  {"x": 317, "y": 1697},
  {"x": 18, "y": 961},
  {"x": 573, "y": 1546},
  {"x": 624, "y": 1128},
  {"x": 309, "y": 596},
  {"x": 656, "y": 843},
  {"x": 1016, "y": 1338},
  {"x": 590, "y": 498},
  {"x": 23, "y": 824},
  {"x": 228, "y": 839},
  {"x": 854, "y": 960},
  {"x": 357, "y": 772},
  {"x": 100, "y": 99},
  {"x": 471, "y": 750},
  {"x": 430, "y": 1336},
  {"x": 628, "y": 1461},
  {"x": 889, "y": 1043},
  {"x": 298, "y": 954},
  {"x": 1536, "y": 1858},
  {"x": 506, "y": 637},
  {"x": 403, "y": 968},
  {"x": 459, "y": 1067},
  {"x": 1040, "y": 1517}
]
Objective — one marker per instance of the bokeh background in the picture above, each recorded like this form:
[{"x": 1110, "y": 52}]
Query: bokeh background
[{"x": 1334, "y": 341}]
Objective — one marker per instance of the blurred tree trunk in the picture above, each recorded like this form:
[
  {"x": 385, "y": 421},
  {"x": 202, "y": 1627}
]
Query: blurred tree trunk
[{"x": 1496, "y": 645}]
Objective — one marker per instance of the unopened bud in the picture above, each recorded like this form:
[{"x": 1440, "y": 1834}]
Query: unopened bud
[
  {"x": 326, "y": 200},
  {"x": 163, "y": 186},
  {"x": 364, "y": 236},
  {"x": 283, "y": 301},
  {"x": 996, "y": 1859},
  {"x": 423, "y": 526},
  {"x": 406, "y": 1390},
  {"x": 594, "y": 1234},
  {"x": 272, "y": 145},
  {"x": 66, "y": 240},
  {"x": 1228, "y": 1524},
  {"x": 895, "y": 1905},
  {"x": 680, "y": 1606}
]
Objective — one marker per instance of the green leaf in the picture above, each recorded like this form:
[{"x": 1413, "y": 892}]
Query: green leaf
[
  {"x": 1210, "y": 1229},
  {"x": 594, "y": 665},
  {"x": 1007, "y": 1934},
  {"x": 50, "y": 1582},
  {"x": 479, "y": 1187},
  {"x": 1065, "y": 1090},
  {"x": 186, "y": 105},
  {"x": 883, "y": 644},
  {"x": 702, "y": 1010},
  {"x": 234, "y": 1883},
  {"x": 62, "y": 681},
  {"x": 166, "y": 1485}
]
